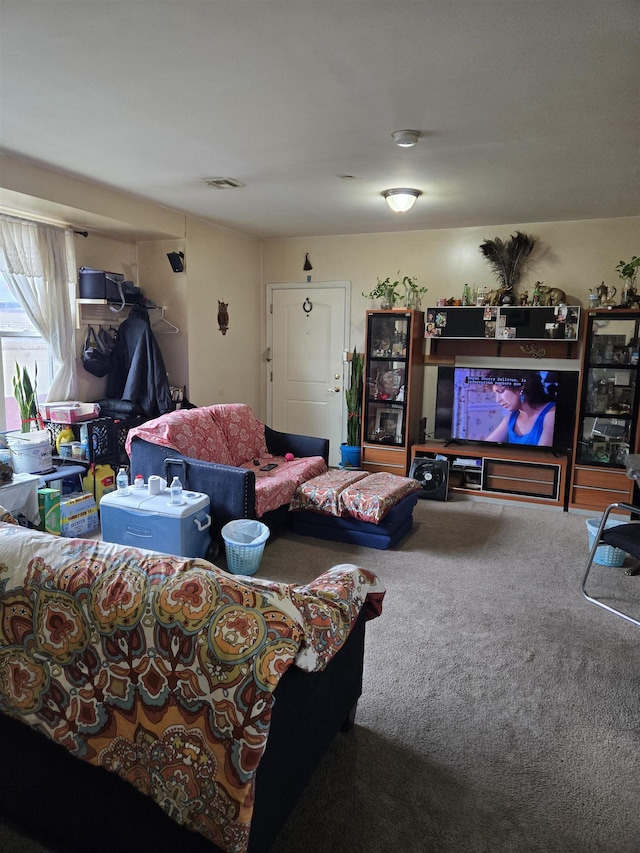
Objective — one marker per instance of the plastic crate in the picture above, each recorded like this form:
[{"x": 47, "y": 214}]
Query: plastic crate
[
  {"x": 244, "y": 541},
  {"x": 606, "y": 555}
]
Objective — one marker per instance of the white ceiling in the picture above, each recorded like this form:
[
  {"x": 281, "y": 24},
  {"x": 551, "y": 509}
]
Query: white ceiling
[{"x": 528, "y": 110}]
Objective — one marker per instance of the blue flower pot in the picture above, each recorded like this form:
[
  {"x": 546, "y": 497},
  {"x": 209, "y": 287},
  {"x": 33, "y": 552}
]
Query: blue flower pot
[{"x": 351, "y": 456}]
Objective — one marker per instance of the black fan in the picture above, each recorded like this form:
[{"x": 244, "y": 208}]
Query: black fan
[{"x": 433, "y": 476}]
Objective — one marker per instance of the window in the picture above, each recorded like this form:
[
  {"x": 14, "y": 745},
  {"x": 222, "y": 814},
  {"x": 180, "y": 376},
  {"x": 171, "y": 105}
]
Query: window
[{"x": 19, "y": 342}]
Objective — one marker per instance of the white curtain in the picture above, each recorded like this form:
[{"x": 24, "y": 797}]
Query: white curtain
[{"x": 38, "y": 263}]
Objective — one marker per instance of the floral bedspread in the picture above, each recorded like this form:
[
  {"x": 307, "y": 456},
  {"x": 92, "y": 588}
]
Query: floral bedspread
[{"x": 162, "y": 669}]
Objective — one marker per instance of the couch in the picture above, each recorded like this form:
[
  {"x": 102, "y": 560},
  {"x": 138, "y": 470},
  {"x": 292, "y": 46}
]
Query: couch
[
  {"x": 219, "y": 450},
  {"x": 153, "y": 702}
]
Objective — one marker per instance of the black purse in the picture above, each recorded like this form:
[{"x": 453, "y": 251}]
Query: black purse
[{"x": 96, "y": 356}]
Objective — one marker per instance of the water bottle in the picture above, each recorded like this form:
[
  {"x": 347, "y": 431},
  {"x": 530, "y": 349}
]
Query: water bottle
[
  {"x": 176, "y": 492},
  {"x": 122, "y": 482}
]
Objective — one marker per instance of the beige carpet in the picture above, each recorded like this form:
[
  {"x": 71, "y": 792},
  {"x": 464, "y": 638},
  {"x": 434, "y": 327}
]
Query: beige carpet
[{"x": 501, "y": 711}]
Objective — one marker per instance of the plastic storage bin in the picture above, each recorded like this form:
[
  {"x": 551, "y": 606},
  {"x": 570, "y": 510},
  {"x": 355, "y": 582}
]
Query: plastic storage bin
[
  {"x": 606, "y": 555},
  {"x": 244, "y": 541}
]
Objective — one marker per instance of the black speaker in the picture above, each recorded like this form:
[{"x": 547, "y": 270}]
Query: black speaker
[
  {"x": 433, "y": 476},
  {"x": 176, "y": 259}
]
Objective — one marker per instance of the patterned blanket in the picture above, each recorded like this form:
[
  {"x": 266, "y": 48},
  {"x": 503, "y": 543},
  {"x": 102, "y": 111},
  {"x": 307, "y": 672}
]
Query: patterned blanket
[
  {"x": 230, "y": 434},
  {"x": 162, "y": 669}
]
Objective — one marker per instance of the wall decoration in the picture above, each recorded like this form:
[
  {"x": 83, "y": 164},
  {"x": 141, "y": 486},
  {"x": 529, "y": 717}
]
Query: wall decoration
[{"x": 223, "y": 316}]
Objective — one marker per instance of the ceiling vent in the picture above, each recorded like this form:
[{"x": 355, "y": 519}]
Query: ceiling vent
[{"x": 223, "y": 183}]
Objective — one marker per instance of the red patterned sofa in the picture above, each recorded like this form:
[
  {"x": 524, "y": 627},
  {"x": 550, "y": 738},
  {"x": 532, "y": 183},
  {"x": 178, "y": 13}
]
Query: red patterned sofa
[
  {"x": 209, "y": 698},
  {"x": 219, "y": 450}
]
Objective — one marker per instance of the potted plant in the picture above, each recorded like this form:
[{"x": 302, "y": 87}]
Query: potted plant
[
  {"x": 628, "y": 272},
  {"x": 351, "y": 451},
  {"x": 388, "y": 292},
  {"x": 413, "y": 293},
  {"x": 26, "y": 396}
]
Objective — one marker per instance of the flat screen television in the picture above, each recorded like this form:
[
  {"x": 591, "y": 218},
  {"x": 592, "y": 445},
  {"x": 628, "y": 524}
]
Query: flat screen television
[{"x": 525, "y": 407}]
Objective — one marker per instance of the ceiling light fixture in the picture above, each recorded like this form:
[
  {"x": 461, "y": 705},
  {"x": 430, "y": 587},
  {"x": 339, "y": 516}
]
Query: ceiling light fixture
[
  {"x": 401, "y": 200},
  {"x": 406, "y": 138}
]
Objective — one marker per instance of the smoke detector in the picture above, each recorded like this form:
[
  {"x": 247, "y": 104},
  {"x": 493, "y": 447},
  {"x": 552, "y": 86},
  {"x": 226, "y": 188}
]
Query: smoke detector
[
  {"x": 406, "y": 138},
  {"x": 223, "y": 183}
]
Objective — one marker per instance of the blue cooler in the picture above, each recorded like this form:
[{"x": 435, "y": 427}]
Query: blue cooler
[{"x": 150, "y": 521}]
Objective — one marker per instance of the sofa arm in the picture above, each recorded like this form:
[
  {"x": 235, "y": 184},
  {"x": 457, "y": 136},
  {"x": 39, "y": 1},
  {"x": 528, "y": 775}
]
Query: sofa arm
[
  {"x": 231, "y": 490},
  {"x": 281, "y": 443}
]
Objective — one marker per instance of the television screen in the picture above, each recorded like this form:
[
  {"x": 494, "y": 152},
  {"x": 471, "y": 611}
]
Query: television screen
[{"x": 535, "y": 408}]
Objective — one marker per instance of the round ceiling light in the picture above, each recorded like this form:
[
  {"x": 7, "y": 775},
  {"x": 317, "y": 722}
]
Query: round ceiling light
[
  {"x": 401, "y": 200},
  {"x": 406, "y": 138}
]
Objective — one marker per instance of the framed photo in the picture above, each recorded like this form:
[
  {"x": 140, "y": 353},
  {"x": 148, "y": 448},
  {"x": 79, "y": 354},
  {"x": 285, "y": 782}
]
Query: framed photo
[{"x": 389, "y": 424}]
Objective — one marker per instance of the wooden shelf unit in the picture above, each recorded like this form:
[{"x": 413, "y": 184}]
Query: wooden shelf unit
[
  {"x": 509, "y": 473},
  {"x": 384, "y": 356},
  {"x": 606, "y": 430}
]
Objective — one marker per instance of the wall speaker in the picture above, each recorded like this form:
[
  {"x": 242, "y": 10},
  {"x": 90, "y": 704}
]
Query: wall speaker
[
  {"x": 176, "y": 259},
  {"x": 433, "y": 476}
]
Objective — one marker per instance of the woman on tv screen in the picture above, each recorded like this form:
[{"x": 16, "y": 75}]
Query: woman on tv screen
[{"x": 530, "y": 411}]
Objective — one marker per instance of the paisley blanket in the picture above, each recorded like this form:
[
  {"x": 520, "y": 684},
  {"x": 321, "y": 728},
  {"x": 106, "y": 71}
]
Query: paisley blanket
[{"x": 162, "y": 669}]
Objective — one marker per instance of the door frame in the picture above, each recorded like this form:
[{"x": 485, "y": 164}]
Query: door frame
[{"x": 346, "y": 335}]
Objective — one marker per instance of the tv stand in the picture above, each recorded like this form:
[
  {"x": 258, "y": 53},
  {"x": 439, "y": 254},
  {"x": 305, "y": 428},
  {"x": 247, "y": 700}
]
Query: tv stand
[{"x": 506, "y": 472}]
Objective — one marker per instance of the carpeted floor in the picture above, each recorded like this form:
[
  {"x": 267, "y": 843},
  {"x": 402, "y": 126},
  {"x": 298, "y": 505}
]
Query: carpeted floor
[{"x": 501, "y": 711}]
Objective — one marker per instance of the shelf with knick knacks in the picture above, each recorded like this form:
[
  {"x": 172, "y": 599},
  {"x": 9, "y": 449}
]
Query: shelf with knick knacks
[{"x": 514, "y": 330}]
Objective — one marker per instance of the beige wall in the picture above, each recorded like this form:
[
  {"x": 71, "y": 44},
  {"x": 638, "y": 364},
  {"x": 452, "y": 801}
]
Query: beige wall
[
  {"x": 131, "y": 236},
  {"x": 574, "y": 256},
  {"x": 224, "y": 265},
  {"x": 169, "y": 289}
]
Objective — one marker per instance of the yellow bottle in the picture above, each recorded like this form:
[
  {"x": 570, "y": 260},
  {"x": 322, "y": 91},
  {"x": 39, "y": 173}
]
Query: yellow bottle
[
  {"x": 99, "y": 480},
  {"x": 65, "y": 436}
]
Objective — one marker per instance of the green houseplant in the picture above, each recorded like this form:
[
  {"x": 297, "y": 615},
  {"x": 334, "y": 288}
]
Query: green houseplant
[
  {"x": 350, "y": 451},
  {"x": 26, "y": 395},
  {"x": 388, "y": 292},
  {"x": 628, "y": 272}
]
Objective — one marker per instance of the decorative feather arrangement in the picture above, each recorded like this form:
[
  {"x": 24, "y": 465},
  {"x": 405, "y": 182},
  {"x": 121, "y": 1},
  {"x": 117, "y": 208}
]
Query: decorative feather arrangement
[{"x": 508, "y": 257}]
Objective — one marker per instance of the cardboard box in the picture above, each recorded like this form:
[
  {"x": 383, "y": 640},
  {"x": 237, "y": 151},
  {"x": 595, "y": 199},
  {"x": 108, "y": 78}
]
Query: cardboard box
[
  {"x": 49, "y": 506},
  {"x": 78, "y": 514}
]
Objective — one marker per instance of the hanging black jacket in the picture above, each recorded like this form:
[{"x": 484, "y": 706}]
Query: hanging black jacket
[{"x": 137, "y": 372}]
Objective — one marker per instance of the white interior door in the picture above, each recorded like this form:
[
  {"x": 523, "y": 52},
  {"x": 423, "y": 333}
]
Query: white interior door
[{"x": 309, "y": 334}]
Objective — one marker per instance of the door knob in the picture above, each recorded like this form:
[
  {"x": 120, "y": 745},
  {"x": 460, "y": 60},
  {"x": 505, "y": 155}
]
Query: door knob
[{"x": 333, "y": 390}]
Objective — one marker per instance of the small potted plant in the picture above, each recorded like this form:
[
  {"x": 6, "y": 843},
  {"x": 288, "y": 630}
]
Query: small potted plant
[
  {"x": 26, "y": 395},
  {"x": 351, "y": 450},
  {"x": 413, "y": 293},
  {"x": 386, "y": 291},
  {"x": 628, "y": 272}
]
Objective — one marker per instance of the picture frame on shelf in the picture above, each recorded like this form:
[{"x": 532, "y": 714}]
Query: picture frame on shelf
[{"x": 389, "y": 423}]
